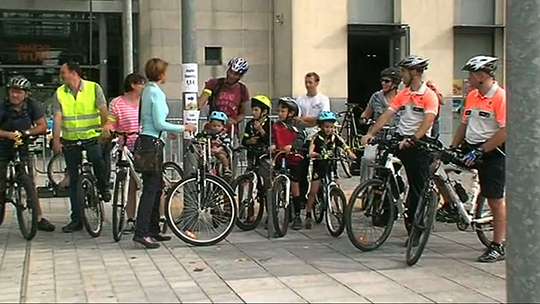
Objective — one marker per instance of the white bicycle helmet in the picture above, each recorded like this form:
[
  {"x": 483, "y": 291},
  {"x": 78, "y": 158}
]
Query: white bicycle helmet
[
  {"x": 238, "y": 65},
  {"x": 414, "y": 62},
  {"x": 291, "y": 104},
  {"x": 19, "y": 82},
  {"x": 487, "y": 64}
]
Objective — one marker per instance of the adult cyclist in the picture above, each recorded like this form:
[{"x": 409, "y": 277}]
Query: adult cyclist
[
  {"x": 23, "y": 116},
  {"x": 418, "y": 106},
  {"x": 227, "y": 94}
]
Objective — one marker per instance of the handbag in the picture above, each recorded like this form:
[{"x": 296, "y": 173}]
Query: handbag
[{"x": 150, "y": 158}]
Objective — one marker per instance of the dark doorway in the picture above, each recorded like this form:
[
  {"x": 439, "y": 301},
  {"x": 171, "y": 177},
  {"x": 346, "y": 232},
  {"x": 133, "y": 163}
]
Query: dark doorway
[{"x": 367, "y": 56}]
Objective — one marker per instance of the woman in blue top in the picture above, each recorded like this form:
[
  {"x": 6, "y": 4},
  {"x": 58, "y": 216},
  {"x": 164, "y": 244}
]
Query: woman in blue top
[{"x": 154, "y": 111}]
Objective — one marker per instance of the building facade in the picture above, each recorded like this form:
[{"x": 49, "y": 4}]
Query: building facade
[{"x": 347, "y": 42}]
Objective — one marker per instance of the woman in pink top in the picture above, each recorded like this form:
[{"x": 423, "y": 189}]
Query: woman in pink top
[{"x": 124, "y": 117}]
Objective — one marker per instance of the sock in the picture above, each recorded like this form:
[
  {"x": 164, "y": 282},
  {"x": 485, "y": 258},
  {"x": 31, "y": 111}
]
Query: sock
[{"x": 297, "y": 202}]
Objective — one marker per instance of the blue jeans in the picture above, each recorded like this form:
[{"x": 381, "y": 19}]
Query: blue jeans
[
  {"x": 73, "y": 157},
  {"x": 147, "y": 222}
]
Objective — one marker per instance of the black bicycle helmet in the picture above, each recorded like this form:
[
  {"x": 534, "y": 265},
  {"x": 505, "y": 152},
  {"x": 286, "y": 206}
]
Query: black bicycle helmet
[
  {"x": 392, "y": 73},
  {"x": 19, "y": 82},
  {"x": 291, "y": 104},
  {"x": 487, "y": 64},
  {"x": 414, "y": 62}
]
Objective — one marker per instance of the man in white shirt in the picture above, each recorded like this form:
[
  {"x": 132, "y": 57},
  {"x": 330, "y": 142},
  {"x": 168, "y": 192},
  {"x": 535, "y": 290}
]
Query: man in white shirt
[{"x": 311, "y": 104}]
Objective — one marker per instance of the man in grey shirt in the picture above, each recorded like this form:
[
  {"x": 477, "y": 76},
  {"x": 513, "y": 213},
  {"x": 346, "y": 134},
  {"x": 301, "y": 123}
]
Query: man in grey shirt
[{"x": 78, "y": 122}]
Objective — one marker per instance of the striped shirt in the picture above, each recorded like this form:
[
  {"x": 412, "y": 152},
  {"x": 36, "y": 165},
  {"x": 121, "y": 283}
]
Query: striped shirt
[{"x": 124, "y": 115}]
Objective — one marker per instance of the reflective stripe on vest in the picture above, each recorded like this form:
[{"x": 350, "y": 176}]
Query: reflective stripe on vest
[{"x": 80, "y": 117}]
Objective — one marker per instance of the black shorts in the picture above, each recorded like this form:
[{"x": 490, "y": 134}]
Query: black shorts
[
  {"x": 491, "y": 173},
  {"x": 294, "y": 171},
  {"x": 319, "y": 169}
]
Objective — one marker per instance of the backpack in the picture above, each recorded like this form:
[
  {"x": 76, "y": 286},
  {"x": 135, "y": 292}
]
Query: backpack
[{"x": 215, "y": 93}]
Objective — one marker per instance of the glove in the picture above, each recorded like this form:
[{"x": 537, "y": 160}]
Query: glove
[
  {"x": 472, "y": 157},
  {"x": 363, "y": 120}
]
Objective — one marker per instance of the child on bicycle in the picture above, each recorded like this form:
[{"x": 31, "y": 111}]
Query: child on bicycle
[
  {"x": 325, "y": 141},
  {"x": 288, "y": 135},
  {"x": 257, "y": 132},
  {"x": 217, "y": 123}
]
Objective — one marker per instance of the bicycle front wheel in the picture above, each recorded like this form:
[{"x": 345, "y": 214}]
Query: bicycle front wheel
[
  {"x": 121, "y": 183},
  {"x": 319, "y": 206},
  {"x": 334, "y": 213},
  {"x": 421, "y": 225},
  {"x": 201, "y": 214},
  {"x": 250, "y": 209},
  {"x": 92, "y": 207},
  {"x": 281, "y": 213},
  {"x": 26, "y": 200},
  {"x": 172, "y": 173},
  {"x": 369, "y": 216},
  {"x": 56, "y": 169}
]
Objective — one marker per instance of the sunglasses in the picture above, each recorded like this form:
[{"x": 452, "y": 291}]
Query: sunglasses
[{"x": 386, "y": 80}]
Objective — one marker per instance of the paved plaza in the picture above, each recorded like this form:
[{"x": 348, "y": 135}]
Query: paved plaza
[{"x": 304, "y": 266}]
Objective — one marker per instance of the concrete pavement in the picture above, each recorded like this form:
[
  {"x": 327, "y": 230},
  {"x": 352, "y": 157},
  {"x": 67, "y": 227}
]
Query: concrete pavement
[{"x": 304, "y": 266}]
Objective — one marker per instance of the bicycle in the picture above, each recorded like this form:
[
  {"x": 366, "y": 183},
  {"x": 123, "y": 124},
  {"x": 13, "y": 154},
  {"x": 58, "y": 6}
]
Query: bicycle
[
  {"x": 125, "y": 171},
  {"x": 251, "y": 208},
  {"x": 330, "y": 200},
  {"x": 93, "y": 203},
  {"x": 381, "y": 199},
  {"x": 19, "y": 181},
  {"x": 282, "y": 196},
  {"x": 445, "y": 161},
  {"x": 208, "y": 197},
  {"x": 349, "y": 130}
]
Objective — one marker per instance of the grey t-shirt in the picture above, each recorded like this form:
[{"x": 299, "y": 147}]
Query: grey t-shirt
[
  {"x": 379, "y": 105},
  {"x": 100, "y": 97}
]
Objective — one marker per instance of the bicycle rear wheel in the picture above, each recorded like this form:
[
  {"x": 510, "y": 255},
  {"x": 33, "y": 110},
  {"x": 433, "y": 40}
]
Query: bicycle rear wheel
[
  {"x": 282, "y": 210},
  {"x": 421, "y": 225},
  {"x": 198, "y": 214},
  {"x": 26, "y": 200},
  {"x": 121, "y": 183},
  {"x": 250, "y": 209},
  {"x": 334, "y": 212},
  {"x": 369, "y": 215},
  {"x": 484, "y": 231},
  {"x": 92, "y": 207}
]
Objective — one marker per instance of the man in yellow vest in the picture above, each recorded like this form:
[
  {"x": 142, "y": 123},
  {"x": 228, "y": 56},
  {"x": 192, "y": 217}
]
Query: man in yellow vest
[{"x": 80, "y": 112}]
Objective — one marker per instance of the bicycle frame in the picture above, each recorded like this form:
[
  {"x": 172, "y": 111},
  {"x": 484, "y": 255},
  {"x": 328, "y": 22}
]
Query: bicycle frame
[{"x": 443, "y": 180}]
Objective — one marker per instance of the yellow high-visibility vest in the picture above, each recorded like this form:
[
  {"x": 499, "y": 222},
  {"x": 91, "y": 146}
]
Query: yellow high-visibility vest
[{"x": 80, "y": 116}]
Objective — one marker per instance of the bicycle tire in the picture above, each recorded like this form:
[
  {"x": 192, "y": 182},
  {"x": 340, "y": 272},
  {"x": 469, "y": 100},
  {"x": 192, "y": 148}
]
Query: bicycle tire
[
  {"x": 189, "y": 237},
  {"x": 24, "y": 182},
  {"x": 479, "y": 228},
  {"x": 169, "y": 183},
  {"x": 346, "y": 166},
  {"x": 2, "y": 212},
  {"x": 91, "y": 200},
  {"x": 50, "y": 169},
  {"x": 279, "y": 189},
  {"x": 426, "y": 210},
  {"x": 360, "y": 242},
  {"x": 319, "y": 207},
  {"x": 119, "y": 204},
  {"x": 240, "y": 223},
  {"x": 336, "y": 212}
]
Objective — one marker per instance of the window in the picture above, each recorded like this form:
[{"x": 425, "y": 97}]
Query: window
[{"x": 213, "y": 55}]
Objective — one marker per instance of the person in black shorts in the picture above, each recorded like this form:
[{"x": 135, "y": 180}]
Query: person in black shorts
[{"x": 323, "y": 142}]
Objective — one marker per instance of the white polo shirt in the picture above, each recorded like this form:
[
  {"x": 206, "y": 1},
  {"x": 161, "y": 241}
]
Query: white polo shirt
[{"x": 311, "y": 107}]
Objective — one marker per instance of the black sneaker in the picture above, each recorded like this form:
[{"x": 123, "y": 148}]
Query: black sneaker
[
  {"x": 493, "y": 253},
  {"x": 308, "y": 223},
  {"x": 72, "y": 227},
  {"x": 297, "y": 224},
  {"x": 45, "y": 225},
  {"x": 447, "y": 214}
]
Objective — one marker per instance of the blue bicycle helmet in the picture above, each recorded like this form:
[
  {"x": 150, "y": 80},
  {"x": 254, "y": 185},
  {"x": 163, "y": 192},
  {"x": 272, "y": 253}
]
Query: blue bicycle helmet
[
  {"x": 218, "y": 115},
  {"x": 327, "y": 116}
]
